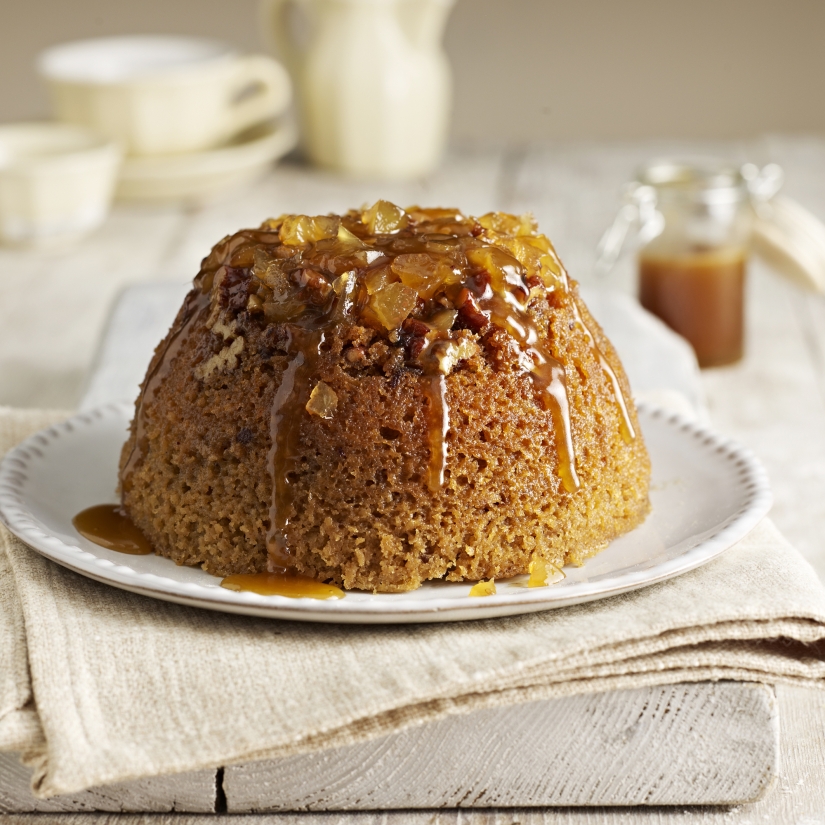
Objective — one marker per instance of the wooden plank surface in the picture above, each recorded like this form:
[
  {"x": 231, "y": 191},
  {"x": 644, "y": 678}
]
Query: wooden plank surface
[
  {"x": 682, "y": 744},
  {"x": 795, "y": 799},
  {"x": 54, "y": 303},
  {"x": 186, "y": 792}
]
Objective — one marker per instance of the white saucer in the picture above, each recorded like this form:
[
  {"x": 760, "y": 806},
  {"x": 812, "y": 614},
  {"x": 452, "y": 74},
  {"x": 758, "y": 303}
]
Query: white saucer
[
  {"x": 707, "y": 493},
  {"x": 199, "y": 176}
]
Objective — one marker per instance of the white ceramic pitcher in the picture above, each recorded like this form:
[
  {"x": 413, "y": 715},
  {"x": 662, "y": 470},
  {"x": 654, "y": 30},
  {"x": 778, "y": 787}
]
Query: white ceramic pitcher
[{"x": 374, "y": 86}]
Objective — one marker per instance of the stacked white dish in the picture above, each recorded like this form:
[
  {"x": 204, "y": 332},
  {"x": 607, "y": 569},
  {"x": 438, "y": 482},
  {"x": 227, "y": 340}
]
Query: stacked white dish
[
  {"x": 192, "y": 116},
  {"x": 154, "y": 118}
]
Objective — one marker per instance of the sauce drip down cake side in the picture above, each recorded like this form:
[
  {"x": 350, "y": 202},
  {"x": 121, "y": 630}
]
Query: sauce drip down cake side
[{"x": 383, "y": 398}]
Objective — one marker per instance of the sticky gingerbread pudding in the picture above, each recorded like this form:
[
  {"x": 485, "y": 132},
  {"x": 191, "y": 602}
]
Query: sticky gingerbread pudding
[{"x": 383, "y": 398}]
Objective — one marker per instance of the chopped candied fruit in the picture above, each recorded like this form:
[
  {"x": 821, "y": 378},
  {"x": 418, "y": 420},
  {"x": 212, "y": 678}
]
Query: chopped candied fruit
[
  {"x": 434, "y": 214},
  {"x": 537, "y": 256},
  {"x": 244, "y": 256},
  {"x": 483, "y": 588},
  {"x": 506, "y": 273},
  {"x": 297, "y": 230},
  {"x": 392, "y": 304},
  {"x": 322, "y": 401},
  {"x": 543, "y": 573},
  {"x": 347, "y": 240},
  {"x": 340, "y": 284},
  {"x": 378, "y": 278},
  {"x": 273, "y": 224},
  {"x": 443, "y": 319},
  {"x": 506, "y": 224},
  {"x": 525, "y": 250},
  {"x": 384, "y": 218},
  {"x": 428, "y": 280},
  {"x": 425, "y": 273}
]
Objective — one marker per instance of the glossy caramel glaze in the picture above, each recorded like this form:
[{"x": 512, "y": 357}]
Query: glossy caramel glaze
[
  {"x": 438, "y": 414},
  {"x": 285, "y": 421},
  {"x": 279, "y": 584},
  {"x": 628, "y": 431},
  {"x": 108, "y": 526}
]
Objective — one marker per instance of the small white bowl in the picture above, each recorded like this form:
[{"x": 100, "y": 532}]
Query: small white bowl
[{"x": 56, "y": 181}]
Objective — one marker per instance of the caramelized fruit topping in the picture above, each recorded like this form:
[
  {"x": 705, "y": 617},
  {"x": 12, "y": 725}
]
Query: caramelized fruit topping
[{"x": 483, "y": 588}]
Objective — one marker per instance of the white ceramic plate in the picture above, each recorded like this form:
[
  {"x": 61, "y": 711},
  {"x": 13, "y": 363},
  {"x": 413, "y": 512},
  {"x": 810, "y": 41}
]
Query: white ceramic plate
[
  {"x": 707, "y": 493},
  {"x": 199, "y": 176}
]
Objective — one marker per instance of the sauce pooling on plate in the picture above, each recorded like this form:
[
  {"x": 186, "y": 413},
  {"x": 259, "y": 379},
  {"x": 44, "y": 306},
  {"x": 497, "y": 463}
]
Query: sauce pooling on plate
[
  {"x": 281, "y": 584},
  {"x": 108, "y": 526}
]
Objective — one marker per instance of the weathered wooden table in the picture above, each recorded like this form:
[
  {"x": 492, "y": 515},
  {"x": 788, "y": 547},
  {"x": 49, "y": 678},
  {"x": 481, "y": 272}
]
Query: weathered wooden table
[{"x": 53, "y": 307}]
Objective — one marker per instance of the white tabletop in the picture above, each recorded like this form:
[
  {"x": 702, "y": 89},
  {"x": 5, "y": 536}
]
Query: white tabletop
[{"x": 54, "y": 305}]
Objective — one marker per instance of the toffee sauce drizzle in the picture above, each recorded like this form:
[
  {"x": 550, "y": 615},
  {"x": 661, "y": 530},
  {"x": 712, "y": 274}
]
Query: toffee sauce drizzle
[
  {"x": 504, "y": 306},
  {"x": 285, "y": 432},
  {"x": 282, "y": 584},
  {"x": 109, "y": 526},
  {"x": 438, "y": 425},
  {"x": 625, "y": 425}
]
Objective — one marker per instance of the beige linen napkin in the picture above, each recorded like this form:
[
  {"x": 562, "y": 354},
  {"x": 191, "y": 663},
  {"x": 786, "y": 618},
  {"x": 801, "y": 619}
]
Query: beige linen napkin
[{"x": 119, "y": 686}]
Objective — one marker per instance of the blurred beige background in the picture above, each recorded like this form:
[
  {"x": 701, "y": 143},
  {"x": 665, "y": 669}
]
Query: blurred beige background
[{"x": 528, "y": 70}]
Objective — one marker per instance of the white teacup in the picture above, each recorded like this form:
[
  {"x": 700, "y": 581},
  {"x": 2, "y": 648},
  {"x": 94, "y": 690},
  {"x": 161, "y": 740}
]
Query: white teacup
[{"x": 161, "y": 94}]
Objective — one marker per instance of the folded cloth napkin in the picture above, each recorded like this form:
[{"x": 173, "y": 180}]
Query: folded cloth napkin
[{"x": 100, "y": 685}]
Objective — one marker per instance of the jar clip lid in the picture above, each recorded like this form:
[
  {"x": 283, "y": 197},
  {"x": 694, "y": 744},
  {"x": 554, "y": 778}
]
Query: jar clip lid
[{"x": 788, "y": 237}]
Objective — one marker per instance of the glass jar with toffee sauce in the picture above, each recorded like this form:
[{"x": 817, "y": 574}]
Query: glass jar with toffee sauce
[
  {"x": 692, "y": 262},
  {"x": 693, "y": 225}
]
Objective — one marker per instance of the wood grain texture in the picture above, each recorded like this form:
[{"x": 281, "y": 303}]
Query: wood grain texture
[
  {"x": 795, "y": 799},
  {"x": 185, "y": 792},
  {"x": 681, "y": 744}
]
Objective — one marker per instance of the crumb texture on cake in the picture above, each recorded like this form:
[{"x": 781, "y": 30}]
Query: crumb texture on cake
[{"x": 384, "y": 398}]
